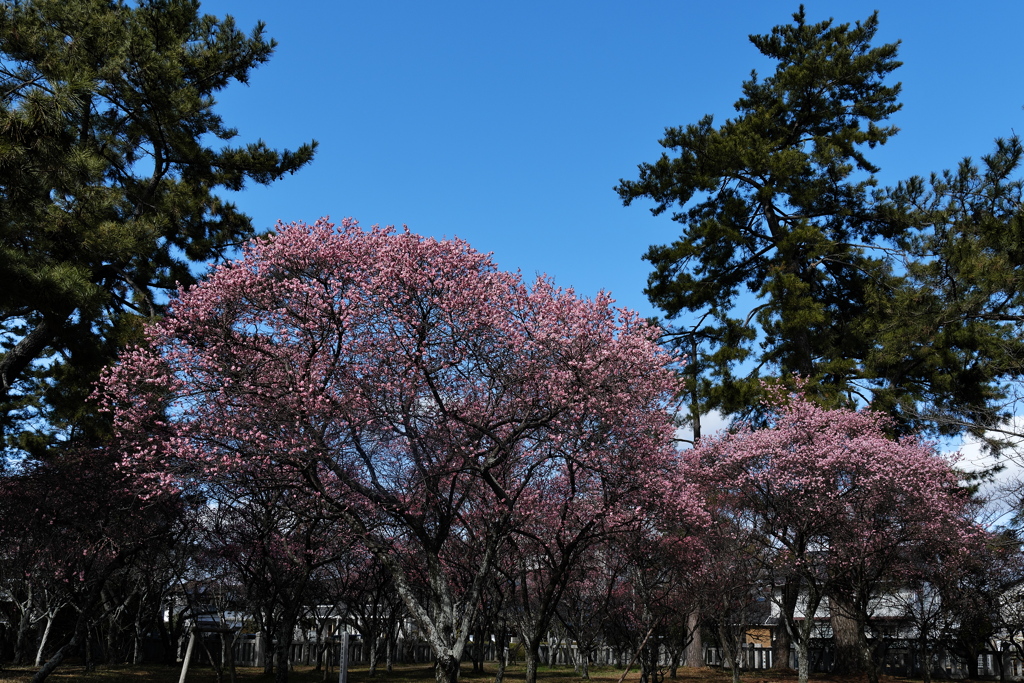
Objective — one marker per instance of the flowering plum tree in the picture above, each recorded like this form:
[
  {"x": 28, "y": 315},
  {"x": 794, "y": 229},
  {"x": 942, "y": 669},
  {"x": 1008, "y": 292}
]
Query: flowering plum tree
[
  {"x": 574, "y": 513},
  {"x": 420, "y": 392},
  {"x": 68, "y": 527},
  {"x": 584, "y": 607},
  {"x": 731, "y": 584},
  {"x": 959, "y": 602},
  {"x": 835, "y": 503},
  {"x": 652, "y": 595},
  {"x": 275, "y": 540}
]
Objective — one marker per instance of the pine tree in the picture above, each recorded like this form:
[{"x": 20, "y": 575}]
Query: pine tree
[
  {"x": 109, "y": 163},
  {"x": 958, "y": 315},
  {"x": 790, "y": 262},
  {"x": 772, "y": 203}
]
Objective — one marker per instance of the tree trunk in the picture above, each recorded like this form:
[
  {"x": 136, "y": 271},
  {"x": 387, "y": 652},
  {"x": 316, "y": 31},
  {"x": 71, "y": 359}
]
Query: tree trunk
[
  {"x": 318, "y": 648},
  {"x": 46, "y": 636},
  {"x": 783, "y": 638},
  {"x": 732, "y": 650},
  {"x": 283, "y": 646},
  {"x": 499, "y": 653},
  {"x": 926, "y": 657},
  {"x": 14, "y": 361},
  {"x": 165, "y": 641},
  {"x": 90, "y": 663},
  {"x": 693, "y": 655},
  {"x": 531, "y": 651},
  {"x": 188, "y": 657},
  {"x": 20, "y": 644},
  {"x": 228, "y": 641},
  {"x": 802, "y": 634},
  {"x": 109, "y": 655},
  {"x": 446, "y": 669},
  {"x": 847, "y": 636},
  {"x": 530, "y": 655},
  {"x": 803, "y": 662},
  {"x": 373, "y": 654},
  {"x": 649, "y": 660},
  {"x": 138, "y": 652},
  {"x": 53, "y": 662},
  {"x": 499, "y": 674},
  {"x": 266, "y": 638},
  {"x": 478, "y": 652},
  {"x": 218, "y": 667},
  {"x": 972, "y": 663}
]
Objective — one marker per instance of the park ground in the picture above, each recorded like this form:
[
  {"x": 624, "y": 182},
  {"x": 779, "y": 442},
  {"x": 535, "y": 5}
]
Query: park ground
[{"x": 401, "y": 674}]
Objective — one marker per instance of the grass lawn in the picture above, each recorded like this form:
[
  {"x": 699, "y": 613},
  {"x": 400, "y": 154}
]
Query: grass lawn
[
  {"x": 300, "y": 674},
  {"x": 402, "y": 674}
]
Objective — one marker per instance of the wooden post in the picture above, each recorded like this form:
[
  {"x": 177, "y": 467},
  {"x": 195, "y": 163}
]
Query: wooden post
[{"x": 188, "y": 656}]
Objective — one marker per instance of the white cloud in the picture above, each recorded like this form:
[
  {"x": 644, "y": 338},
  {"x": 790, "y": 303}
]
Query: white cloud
[
  {"x": 710, "y": 424},
  {"x": 1003, "y": 488}
]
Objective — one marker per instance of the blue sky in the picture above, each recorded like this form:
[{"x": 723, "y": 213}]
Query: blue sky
[{"x": 508, "y": 124}]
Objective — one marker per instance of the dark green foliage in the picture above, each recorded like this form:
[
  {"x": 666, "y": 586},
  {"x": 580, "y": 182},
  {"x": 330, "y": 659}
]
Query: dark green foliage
[
  {"x": 958, "y": 314},
  {"x": 790, "y": 264},
  {"x": 109, "y": 159}
]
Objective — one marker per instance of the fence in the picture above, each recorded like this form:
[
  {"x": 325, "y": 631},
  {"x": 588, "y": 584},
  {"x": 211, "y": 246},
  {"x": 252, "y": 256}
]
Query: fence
[
  {"x": 896, "y": 660},
  {"x": 253, "y": 650},
  {"x": 752, "y": 657},
  {"x": 899, "y": 658}
]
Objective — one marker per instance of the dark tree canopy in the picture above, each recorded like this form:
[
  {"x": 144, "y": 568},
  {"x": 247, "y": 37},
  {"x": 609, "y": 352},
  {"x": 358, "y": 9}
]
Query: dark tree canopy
[
  {"x": 789, "y": 262},
  {"x": 110, "y": 156},
  {"x": 958, "y": 315}
]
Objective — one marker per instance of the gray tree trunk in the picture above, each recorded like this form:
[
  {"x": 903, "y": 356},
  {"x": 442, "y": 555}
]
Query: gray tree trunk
[
  {"x": 693, "y": 656},
  {"x": 46, "y": 636}
]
